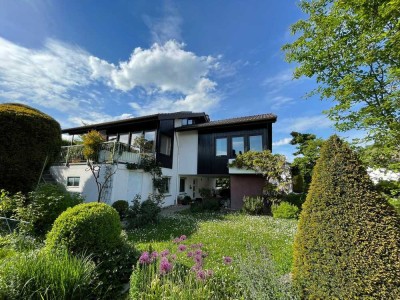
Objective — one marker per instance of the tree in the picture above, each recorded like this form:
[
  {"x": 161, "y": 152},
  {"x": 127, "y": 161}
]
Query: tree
[
  {"x": 29, "y": 139},
  {"x": 347, "y": 245},
  {"x": 273, "y": 167},
  {"x": 351, "y": 48},
  {"x": 91, "y": 150},
  {"x": 308, "y": 146}
]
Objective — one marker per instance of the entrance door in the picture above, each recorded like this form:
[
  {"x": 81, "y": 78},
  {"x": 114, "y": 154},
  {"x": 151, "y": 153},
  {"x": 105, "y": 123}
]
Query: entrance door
[{"x": 194, "y": 189}]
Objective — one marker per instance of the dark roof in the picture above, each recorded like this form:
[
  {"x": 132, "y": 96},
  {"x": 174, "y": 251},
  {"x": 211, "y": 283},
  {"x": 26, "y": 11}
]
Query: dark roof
[
  {"x": 248, "y": 120},
  {"x": 160, "y": 116}
]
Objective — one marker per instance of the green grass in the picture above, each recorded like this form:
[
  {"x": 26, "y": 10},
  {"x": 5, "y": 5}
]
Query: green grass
[{"x": 222, "y": 235}]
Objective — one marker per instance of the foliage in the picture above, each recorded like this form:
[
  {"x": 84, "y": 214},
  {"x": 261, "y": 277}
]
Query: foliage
[
  {"x": 186, "y": 200},
  {"x": 161, "y": 275},
  {"x": 27, "y": 137},
  {"x": 298, "y": 183},
  {"x": 205, "y": 193},
  {"x": 347, "y": 243},
  {"x": 308, "y": 147},
  {"x": 42, "y": 207},
  {"x": 295, "y": 199},
  {"x": 365, "y": 81},
  {"x": 91, "y": 145},
  {"x": 42, "y": 275},
  {"x": 260, "y": 279},
  {"x": 285, "y": 210},
  {"x": 121, "y": 206},
  {"x": 8, "y": 207},
  {"x": 206, "y": 204},
  {"x": 389, "y": 188},
  {"x": 395, "y": 203},
  {"x": 271, "y": 166},
  {"x": 143, "y": 213},
  {"x": 86, "y": 228},
  {"x": 253, "y": 205}
]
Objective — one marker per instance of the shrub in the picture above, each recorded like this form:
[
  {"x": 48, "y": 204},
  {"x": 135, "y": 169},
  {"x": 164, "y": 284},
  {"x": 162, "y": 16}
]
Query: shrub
[
  {"x": 285, "y": 210},
  {"x": 253, "y": 205},
  {"x": 42, "y": 275},
  {"x": 143, "y": 213},
  {"x": 27, "y": 136},
  {"x": 44, "y": 205},
  {"x": 298, "y": 183},
  {"x": 186, "y": 200},
  {"x": 86, "y": 228},
  {"x": 91, "y": 143},
  {"x": 207, "y": 204},
  {"x": 395, "y": 203},
  {"x": 347, "y": 243},
  {"x": 121, "y": 206},
  {"x": 8, "y": 208},
  {"x": 390, "y": 188},
  {"x": 295, "y": 199}
]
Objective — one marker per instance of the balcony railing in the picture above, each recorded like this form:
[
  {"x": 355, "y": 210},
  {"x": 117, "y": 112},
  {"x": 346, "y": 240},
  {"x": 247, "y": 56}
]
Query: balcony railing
[{"x": 109, "y": 152}]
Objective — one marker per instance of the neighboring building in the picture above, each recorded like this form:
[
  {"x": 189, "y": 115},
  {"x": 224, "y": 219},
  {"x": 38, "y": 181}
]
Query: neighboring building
[{"x": 192, "y": 151}]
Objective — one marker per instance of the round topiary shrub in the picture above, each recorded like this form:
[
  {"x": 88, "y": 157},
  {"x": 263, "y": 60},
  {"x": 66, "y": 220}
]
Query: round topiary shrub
[
  {"x": 27, "y": 136},
  {"x": 122, "y": 207},
  {"x": 86, "y": 228},
  {"x": 285, "y": 210},
  {"x": 348, "y": 241}
]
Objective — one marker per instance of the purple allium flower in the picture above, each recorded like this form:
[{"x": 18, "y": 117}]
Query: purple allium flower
[
  {"x": 165, "y": 266},
  {"x": 164, "y": 253},
  {"x": 154, "y": 255},
  {"x": 210, "y": 273},
  {"x": 176, "y": 240},
  {"x": 201, "y": 275},
  {"x": 198, "y": 252},
  {"x": 198, "y": 259},
  {"x": 183, "y": 237},
  {"x": 190, "y": 254},
  {"x": 144, "y": 259},
  {"x": 227, "y": 260},
  {"x": 196, "y": 267},
  {"x": 181, "y": 248},
  {"x": 173, "y": 256}
]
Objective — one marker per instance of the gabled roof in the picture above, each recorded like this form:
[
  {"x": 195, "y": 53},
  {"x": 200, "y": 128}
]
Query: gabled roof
[
  {"x": 248, "y": 120},
  {"x": 154, "y": 117}
]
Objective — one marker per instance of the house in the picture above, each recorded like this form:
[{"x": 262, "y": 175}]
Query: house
[{"x": 192, "y": 151}]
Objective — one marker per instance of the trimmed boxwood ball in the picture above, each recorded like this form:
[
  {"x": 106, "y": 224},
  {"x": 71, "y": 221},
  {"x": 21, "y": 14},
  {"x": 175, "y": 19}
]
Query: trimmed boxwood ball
[
  {"x": 348, "y": 241},
  {"x": 86, "y": 228},
  {"x": 27, "y": 136}
]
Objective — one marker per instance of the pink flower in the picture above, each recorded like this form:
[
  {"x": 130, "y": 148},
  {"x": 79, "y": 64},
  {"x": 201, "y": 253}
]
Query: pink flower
[
  {"x": 198, "y": 259},
  {"x": 176, "y": 240},
  {"x": 145, "y": 259},
  {"x": 183, "y": 237},
  {"x": 227, "y": 260},
  {"x": 198, "y": 252},
  {"x": 190, "y": 254},
  {"x": 196, "y": 267},
  {"x": 181, "y": 248},
  {"x": 164, "y": 253},
  {"x": 210, "y": 273},
  {"x": 201, "y": 275},
  {"x": 165, "y": 266}
]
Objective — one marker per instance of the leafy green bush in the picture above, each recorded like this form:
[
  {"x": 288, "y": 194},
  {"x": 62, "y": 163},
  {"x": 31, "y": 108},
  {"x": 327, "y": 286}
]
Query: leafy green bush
[
  {"x": 86, "y": 228},
  {"x": 44, "y": 205},
  {"x": 347, "y": 243},
  {"x": 298, "y": 183},
  {"x": 43, "y": 275},
  {"x": 143, "y": 213},
  {"x": 206, "y": 204},
  {"x": 186, "y": 200},
  {"x": 8, "y": 208},
  {"x": 253, "y": 205},
  {"x": 27, "y": 136},
  {"x": 285, "y": 210},
  {"x": 295, "y": 199},
  {"x": 395, "y": 203},
  {"x": 121, "y": 206},
  {"x": 390, "y": 188},
  {"x": 91, "y": 144}
]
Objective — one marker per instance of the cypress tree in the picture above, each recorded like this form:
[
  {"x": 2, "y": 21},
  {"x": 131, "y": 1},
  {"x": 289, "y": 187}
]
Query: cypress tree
[{"x": 348, "y": 241}]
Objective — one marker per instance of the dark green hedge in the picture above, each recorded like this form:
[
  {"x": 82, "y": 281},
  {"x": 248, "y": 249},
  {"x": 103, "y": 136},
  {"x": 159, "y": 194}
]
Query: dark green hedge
[
  {"x": 27, "y": 136},
  {"x": 348, "y": 240}
]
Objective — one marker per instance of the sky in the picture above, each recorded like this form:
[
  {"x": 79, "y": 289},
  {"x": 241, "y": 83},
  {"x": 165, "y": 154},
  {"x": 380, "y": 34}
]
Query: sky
[{"x": 85, "y": 62}]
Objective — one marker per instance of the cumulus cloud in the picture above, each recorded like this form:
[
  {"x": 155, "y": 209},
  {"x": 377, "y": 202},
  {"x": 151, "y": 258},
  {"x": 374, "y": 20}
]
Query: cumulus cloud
[
  {"x": 282, "y": 142},
  {"x": 93, "y": 117},
  {"x": 302, "y": 124}
]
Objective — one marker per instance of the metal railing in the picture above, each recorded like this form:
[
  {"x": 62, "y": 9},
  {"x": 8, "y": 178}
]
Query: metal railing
[{"x": 109, "y": 152}]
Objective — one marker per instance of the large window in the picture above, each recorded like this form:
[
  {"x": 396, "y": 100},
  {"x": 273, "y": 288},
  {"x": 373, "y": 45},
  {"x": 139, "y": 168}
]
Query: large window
[
  {"x": 221, "y": 147},
  {"x": 165, "y": 145},
  {"x": 73, "y": 181},
  {"x": 237, "y": 145},
  {"x": 164, "y": 188},
  {"x": 112, "y": 137},
  {"x": 255, "y": 143},
  {"x": 124, "y": 138},
  {"x": 150, "y": 138}
]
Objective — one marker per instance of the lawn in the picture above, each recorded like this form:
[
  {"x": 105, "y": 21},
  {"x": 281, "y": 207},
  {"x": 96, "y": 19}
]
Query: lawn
[{"x": 233, "y": 235}]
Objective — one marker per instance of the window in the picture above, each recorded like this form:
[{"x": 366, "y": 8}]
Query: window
[
  {"x": 221, "y": 146},
  {"x": 186, "y": 122},
  {"x": 182, "y": 182},
  {"x": 165, "y": 183},
  {"x": 73, "y": 181},
  {"x": 237, "y": 145},
  {"x": 124, "y": 138},
  {"x": 150, "y": 137},
  {"x": 112, "y": 137},
  {"x": 165, "y": 145},
  {"x": 255, "y": 142}
]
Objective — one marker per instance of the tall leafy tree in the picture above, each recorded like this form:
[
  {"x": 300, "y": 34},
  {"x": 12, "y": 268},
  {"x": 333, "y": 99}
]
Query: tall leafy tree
[{"x": 352, "y": 49}]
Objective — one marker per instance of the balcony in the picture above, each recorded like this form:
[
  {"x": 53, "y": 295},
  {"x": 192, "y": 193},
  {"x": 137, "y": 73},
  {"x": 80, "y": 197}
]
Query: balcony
[{"x": 109, "y": 152}]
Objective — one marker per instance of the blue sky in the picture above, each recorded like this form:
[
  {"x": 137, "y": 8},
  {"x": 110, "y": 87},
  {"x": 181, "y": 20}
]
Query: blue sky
[{"x": 94, "y": 61}]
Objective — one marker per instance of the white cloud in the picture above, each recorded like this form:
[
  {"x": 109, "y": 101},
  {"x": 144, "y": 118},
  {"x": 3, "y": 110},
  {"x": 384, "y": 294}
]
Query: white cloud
[
  {"x": 93, "y": 117},
  {"x": 302, "y": 124},
  {"x": 279, "y": 80},
  {"x": 282, "y": 142},
  {"x": 280, "y": 101}
]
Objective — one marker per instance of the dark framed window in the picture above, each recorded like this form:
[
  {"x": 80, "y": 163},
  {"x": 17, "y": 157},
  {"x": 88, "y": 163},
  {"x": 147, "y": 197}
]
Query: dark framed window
[
  {"x": 165, "y": 185},
  {"x": 255, "y": 143},
  {"x": 112, "y": 137},
  {"x": 150, "y": 138},
  {"x": 237, "y": 145},
  {"x": 221, "y": 147},
  {"x": 124, "y": 138},
  {"x": 73, "y": 181},
  {"x": 165, "y": 145},
  {"x": 182, "y": 182}
]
